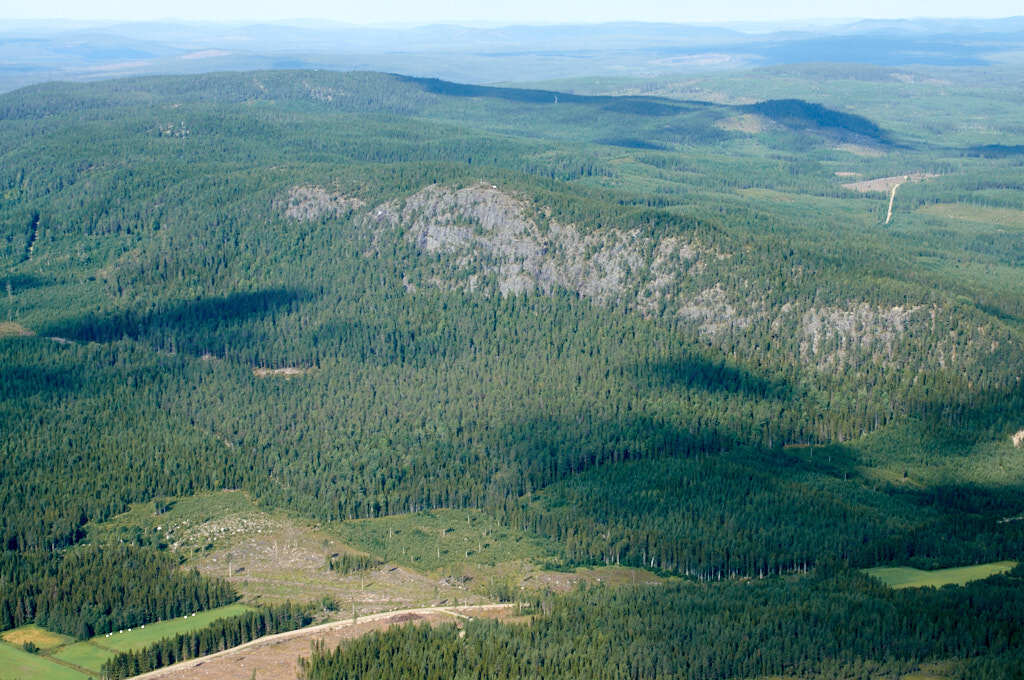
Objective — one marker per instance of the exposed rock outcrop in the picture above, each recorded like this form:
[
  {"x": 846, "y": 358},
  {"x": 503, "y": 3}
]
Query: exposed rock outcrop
[
  {"x": 481, "y": 238},
  {"x": 831, "y": 334},
  {"x": 312, "y": 203},
  {"x": 492, "y": 234}
]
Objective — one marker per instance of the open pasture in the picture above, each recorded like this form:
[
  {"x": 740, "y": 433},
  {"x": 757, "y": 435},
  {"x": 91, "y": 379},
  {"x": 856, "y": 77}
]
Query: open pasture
[
  {"x": 63, "y": 658},
  {"x": 142, "y": 636},
  {"x": 17, "y": 664},
  {"x": 908, "y": 577},
  {"x": 84, "y": 655}
]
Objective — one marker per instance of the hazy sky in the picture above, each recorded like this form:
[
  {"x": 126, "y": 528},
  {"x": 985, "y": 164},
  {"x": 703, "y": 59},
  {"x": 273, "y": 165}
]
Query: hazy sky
[{"x": 519, "y": 11}]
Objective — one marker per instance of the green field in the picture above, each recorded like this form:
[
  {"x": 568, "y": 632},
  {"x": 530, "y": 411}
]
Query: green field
[
  {"x": 908, "y": 577},
  {"x": 85, "y": 655},
  {"x": 17, "y": 664},
  {"x": 140, "y": 637},
  {"x": 91, "y": 654}
]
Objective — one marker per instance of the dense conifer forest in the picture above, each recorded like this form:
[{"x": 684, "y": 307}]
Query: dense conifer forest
[
  {"x": 820, "y": 627},
  {"x": 654, "y": 338}
]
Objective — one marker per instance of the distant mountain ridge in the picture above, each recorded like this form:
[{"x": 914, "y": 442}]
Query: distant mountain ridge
[{"x": 34, "y": 52}]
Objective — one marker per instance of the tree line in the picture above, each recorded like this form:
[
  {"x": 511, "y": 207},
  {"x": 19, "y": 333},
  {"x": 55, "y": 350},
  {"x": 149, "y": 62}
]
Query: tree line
[{"x": 220, "y": 635}]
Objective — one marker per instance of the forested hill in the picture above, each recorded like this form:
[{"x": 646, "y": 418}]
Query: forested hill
[
  {"x": 359, "y": 294},
  {"x": 368, "y": 92}
]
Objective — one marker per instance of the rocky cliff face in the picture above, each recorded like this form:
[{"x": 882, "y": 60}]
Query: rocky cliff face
[
  {"x": 484, "y": 239},
  {"x": 493, "y": 235}
]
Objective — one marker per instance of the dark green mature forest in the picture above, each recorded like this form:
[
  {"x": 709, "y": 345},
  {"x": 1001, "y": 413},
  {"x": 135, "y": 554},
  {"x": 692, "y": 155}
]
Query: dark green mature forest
[
  {"x": 616, "y": 322},
  {"x": 93, "y": 590}
]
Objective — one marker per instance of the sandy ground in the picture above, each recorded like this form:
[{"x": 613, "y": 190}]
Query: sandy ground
[{"x": 276, "y": 656}]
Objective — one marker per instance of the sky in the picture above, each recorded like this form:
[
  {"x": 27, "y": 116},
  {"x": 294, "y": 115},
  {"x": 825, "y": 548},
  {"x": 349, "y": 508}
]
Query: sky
[{"x": 491, "y": 12}]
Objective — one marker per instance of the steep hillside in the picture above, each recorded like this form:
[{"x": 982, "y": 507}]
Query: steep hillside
[{"x": 608, "y": 322}]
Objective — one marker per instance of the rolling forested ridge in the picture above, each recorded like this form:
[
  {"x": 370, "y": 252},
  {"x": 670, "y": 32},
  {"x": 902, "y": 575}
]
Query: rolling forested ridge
[{"x": 674, "y": 334}]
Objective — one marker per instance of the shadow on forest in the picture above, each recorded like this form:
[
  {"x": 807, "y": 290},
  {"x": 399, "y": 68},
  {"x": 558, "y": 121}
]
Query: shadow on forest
[
  {"x": 1014, "y": 317},
  {"x": 193, "y": 321},
  {"x": 800, "y": 114},
  {"x": 634, "y": 106},
  {"x": 972, "y": 524},
  {"x": 994, "y": 150},
  {"x": 19, "y": 283},
  {"x": 692, "y": 372},
  {"x": 941, "y": 526},
  {"x": 530, "y": 455},
  {"x": 21, "y": 381},
  {"x": 793, "y": 113},
  {"x": 960, "y": 416}
]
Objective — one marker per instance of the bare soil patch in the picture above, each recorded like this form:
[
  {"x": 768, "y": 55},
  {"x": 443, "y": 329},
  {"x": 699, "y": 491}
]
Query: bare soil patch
[
  {"x": 886, "y": 184},
  {"x": 286, "y": 372},
  {"x": 613, "y": 576},
  {"x": 271, "y": 558},
  {"x": 277, "y": 656},
  {"x": 9, "y": 329}
]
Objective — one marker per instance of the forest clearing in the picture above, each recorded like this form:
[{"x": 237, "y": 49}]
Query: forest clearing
[{"x": 908, "y": 577}]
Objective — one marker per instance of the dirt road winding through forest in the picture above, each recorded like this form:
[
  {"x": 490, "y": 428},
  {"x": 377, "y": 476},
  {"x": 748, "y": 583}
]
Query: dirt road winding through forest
[
  {"x": 276, "y": 656},
  {"x": 892, "y": 198}
]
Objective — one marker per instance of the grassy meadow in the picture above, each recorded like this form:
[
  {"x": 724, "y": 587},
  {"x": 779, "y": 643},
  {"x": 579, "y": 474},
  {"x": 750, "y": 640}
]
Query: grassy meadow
[
  {"x": 441, "y": 538},
  {"x": 143, "y": 636},
  {"x": 908, "y": 577},
  {"x": 17, "y": 664},
  {"x": 63, "y": 657},
  {"x": 84, "y": 655}
]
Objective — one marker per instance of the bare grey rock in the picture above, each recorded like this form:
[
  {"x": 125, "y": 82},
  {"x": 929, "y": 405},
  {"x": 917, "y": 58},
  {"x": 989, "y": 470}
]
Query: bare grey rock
[
  {"x": 481, "y": 238},
  {"x": 312, "y": 203},
  {"x": 831, "y": 335},
  {"x": 712, "y": 311},
  {"x": 487, "y": 232}
]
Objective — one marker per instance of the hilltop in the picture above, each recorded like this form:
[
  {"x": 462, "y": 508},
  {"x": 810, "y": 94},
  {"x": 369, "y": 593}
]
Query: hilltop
[{"x": 522, "y": 330}]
